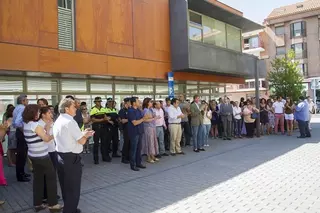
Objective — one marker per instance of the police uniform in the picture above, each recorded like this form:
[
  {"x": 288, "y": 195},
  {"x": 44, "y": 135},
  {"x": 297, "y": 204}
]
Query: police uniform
[
  {"x": 113, "y": 137},
  {"x": 101, "y": 133}
]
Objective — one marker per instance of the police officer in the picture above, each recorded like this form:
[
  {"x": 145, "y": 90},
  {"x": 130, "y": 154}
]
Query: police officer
[
  {"x": 100, "y": 126},
  {"x": 123, "y": 116},
  {"x": 113, "y": 125}
]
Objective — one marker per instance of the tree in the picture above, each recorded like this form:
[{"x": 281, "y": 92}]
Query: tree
[{"x": 285, "y": 78}]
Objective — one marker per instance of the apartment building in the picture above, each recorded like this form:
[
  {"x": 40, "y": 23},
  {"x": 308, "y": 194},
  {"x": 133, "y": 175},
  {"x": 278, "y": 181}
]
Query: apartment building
[
  {"x": 296, "y": 27},
  {"x": 253, "y": 43}
]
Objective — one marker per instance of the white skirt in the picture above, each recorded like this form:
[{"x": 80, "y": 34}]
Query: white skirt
[{"x": 289, "y": 117}]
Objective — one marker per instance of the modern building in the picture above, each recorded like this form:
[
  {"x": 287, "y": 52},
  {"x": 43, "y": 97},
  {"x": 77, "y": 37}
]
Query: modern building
[
  {"x": 120, "y": 48},
  {"x": 253, "y": 43},
  {"x": 296, "y": 27}
]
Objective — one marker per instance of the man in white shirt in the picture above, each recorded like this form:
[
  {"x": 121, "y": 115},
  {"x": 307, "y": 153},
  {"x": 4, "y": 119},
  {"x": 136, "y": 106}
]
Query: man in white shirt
[
  {"x": 174, "y": 120},
  {"x": 312, "y": 109},
  {"x": 278, "y": 108},
  {"x": 69, "y": 144},
  {"x": 237, "y": 112}
]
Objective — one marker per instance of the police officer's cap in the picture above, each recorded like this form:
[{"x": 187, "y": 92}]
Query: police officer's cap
[
  {"x": 109, "y": 99},
  {"x": 97, "y": 99}
]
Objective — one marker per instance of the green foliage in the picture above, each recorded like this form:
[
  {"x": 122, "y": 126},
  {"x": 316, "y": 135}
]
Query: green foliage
[{"x": 285, "y": 78}]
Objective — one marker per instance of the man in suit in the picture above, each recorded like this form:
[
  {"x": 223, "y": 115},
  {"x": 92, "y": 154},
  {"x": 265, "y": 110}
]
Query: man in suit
[
  {"x": 226, "y": 112},
  {"x": 196, "y": 122}
]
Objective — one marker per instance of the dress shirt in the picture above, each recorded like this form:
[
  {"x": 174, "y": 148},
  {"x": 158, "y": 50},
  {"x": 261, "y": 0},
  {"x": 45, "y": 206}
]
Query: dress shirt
[
  {"x": 302, "y": 111},
  {"x": 17, "y": 121},
  {"x": 51, "y": 144},
  {"x": 278, "y": 107},
  {"x": 236, "y": 113},
  {"x": 66, "y": 133},
  {"x": 173, "y": 114},
  {"x": 159, "y": 112}
]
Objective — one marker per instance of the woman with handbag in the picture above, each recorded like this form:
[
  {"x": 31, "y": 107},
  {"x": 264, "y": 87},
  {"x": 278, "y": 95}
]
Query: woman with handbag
[{"x": 250, "y": 114}]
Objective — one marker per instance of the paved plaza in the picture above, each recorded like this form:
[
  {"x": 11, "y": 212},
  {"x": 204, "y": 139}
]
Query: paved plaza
[{"x": 267, "y": 174}]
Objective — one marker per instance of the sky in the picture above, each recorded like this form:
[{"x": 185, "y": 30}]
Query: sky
[{"x": 257, "y": 10}]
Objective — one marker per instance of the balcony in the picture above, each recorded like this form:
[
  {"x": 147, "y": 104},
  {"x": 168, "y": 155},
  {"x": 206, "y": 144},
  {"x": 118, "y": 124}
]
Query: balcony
[{"x": 202, "y": 58}]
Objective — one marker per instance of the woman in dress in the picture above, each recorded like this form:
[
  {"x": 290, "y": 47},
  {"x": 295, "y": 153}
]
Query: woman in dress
[
  {"x": 149, "y": 138},
  {"x": 37, "y": 138},
  {"x": 270, "y": 116},
  {"x": 264, "y": 118},
  {"x": 3, "y": 181},
  {"x": 12, "y": 140},
  {"x": 288, "y": 115}
]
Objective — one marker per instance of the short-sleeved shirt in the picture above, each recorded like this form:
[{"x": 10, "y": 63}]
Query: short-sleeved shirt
[
  {"x": 184, "y": 106},
  {"x": 123, "y": 114},
  {"x": 66, "y": 134},
  {"x": 134, "y": 115},
  {"x": 113, "y": 114},
  {"x": 278, "y": 107},
  {"x": 98, "y": 113},
  {"x": 51, "y": 144}
]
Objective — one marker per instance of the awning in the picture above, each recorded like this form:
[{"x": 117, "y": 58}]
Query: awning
[{"x": 206, "y": 8}]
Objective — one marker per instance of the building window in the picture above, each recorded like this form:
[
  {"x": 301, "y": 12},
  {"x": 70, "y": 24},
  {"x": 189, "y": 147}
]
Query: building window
[
  {"x": 208, "y": 30},
  {"x": 279, "y": 30},
  {"x": 281, "y": 50},
  {"x": 233, "y": 38},
  {"x": 214, "y": 32},
  {"x": 251, "y": 43},
  {"x": 298, "y": 29},
  {"x": 66, "y": 24},
  {"x": 300, "y": 50},
  {"x": 303, "y": 68},
  {"x": 263, "y": 84}
]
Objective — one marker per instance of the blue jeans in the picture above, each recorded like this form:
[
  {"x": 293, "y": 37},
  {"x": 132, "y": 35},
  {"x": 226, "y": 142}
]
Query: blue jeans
[
  {"x": 135, "y": 150},
  {"x": 196, "y": 136},
  {"x": 237, "y": 127},
  {"x": 160, "y": 137},
  {"x": 205, "y": 133}
]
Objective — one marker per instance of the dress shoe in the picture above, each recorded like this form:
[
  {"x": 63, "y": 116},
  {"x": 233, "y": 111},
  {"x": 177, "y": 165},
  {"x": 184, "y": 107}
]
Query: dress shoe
[
  {"x": 173, "y": 154},
  {"x": 181, "y": 153},
  {"x": 108, "y": 159},
  {"x": 196, "y": 150},
  {"x": 141, "y": 166},
  {"x": 134, "y": 168},
  {"x": 23, "y": 179},
  {"x": 116, "y": 156},
  {"x": 158, "y": 156},
  {"x": 96, "y": 162},
  {"x": 301, "y": 137},
  {"x": 125, "y": 161},
  {"x": 202, "y": 150},
  {"x": 26, "y": 175},
  {"x": 165, "y": 154}
]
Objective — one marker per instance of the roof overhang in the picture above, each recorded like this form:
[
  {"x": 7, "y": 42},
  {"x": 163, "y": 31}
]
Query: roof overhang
[{"x": 206, "y": 8}]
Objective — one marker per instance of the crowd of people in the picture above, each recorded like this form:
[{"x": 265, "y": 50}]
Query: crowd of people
[{"x": 51, "y": 139}]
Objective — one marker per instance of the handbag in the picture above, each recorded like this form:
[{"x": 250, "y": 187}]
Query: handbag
[{"x": 254, "y": 115}]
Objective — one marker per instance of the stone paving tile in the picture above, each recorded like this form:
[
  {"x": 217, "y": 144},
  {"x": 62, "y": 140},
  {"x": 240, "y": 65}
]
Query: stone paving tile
[{"x": 269, "y": 174}]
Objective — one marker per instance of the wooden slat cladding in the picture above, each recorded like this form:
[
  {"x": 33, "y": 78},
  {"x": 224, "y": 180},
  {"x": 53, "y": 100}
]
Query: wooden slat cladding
[{"x": 31, "y": 22}]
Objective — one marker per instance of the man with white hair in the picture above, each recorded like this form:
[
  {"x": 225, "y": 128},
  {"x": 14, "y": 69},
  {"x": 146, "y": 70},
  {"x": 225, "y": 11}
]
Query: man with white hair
[{"x": 69, "y": 144}]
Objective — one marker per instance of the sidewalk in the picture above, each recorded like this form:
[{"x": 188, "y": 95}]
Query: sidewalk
[{"x": 274, "y": 173}]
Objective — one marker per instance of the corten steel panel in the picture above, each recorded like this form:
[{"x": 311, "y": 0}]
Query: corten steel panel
[
  {"x": 91, "y": 25},
  {"x": 211, "y": 59},
  {"x": 179, "y": 34},
  {"x": 206, "y": 8},
  {"x": 19, "y": 21},
  {"x": 18, "y": 57},
  {"x": 120, "y": 22},
  {"x": 138, "y": 68},
  {"x": 226, "y": 7},
  {"x": 151, "y": 30}
]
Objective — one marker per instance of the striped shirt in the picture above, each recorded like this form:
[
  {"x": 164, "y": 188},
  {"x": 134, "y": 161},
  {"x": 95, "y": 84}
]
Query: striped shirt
[{"x": 36, "y": 146}]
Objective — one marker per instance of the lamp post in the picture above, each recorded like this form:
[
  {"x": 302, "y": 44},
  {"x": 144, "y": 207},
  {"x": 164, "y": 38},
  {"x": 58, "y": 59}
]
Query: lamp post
[{"x": 257, "y": 94}]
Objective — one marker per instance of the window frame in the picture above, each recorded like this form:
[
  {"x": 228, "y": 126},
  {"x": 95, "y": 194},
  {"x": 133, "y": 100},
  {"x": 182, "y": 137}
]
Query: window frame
[
  {"x": 279, "y": 34},
  {"x": 285, "y": 51},
  {"x": 302, "y": 30}
]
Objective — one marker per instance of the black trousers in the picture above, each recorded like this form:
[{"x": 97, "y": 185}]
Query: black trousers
[
  {"x": 187, "y": 132},
  {"x": 114, "y": 139},
  {"x": 70, "y": 172},
  {"x": 100, "y": 135},
  {"x": 304, "y": 128},
  {"x": 43, "y": 167},
  {"x": 250, "y": 129},
  {"x": 167, "y": 136},
  {"x": 126, "y": 145},
  {"x": 54, "y": 160},
  {"x": 21, "y": 157}
]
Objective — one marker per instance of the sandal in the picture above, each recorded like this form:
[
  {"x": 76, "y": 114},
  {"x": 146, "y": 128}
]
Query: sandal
[
  {"x": 2, "y": 202},
  {"x": 150, "y": 161},
  {"x": 55, "y": 208},
  {"x": 156, "y": 159},
  {"x": 39, "y": 208}
]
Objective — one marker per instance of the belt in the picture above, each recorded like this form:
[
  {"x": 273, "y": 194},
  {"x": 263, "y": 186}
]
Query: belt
[{"x": 175, "y": 123}]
